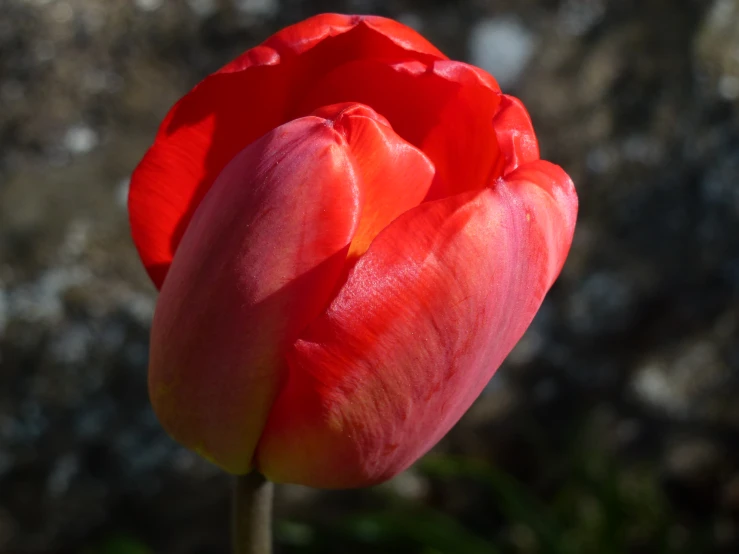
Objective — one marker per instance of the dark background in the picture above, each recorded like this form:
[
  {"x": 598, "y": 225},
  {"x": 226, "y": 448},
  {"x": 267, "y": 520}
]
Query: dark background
[{"x": 612, "y": 428}]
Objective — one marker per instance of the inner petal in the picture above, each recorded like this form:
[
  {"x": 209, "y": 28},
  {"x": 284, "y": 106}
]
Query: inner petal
[
  {"x": 395, "y": 176},
  {"x": 231, "y": 109},
  {"x": 444, "y": 108},
  {"x": 463, "y": 144}
]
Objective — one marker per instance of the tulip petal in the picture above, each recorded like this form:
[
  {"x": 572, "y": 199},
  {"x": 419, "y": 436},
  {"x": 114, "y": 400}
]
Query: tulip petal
[
  {"x": 257, "y": 263},
  {"x": 260, "y": 260},
  {"x": 396, "y": 176},
  {"x": 445, "y": 108},
  {"x": 515, "y": 132},
  {"x": 230, "y": 109},
  {"x": 423, "y": 321},
  {"x": 406, "y": 93},
  {"x": 463, "y": 144},
  {"x": 402, "y": 35},
  {"x": 201, "y": 134},
  {"x": 374, "y": 37}
]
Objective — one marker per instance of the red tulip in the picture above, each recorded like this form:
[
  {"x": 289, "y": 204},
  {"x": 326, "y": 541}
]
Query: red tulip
[{"x": 350, "y": 233}]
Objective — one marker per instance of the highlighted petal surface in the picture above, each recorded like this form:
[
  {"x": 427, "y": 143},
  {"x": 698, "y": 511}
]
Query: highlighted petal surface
[
  {"x": 201, "y": 134},
  {"x": 396, "y": 176},
  {"x": 260, "y": 260},
  {"x": 230, "y": 109},
  {"x": 425, "y": 318}
]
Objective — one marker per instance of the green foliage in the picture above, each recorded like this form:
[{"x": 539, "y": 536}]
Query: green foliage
[
  {"x": 432, "y": 531},
  {"x": 601, "y": 507},
  {"x": 119, "y": 544},
  {"x": 515, "y": 501}
]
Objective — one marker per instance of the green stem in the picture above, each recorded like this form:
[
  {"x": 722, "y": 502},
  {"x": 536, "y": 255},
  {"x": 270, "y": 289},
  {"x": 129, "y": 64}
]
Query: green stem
[{"x": 251, "y": 515}]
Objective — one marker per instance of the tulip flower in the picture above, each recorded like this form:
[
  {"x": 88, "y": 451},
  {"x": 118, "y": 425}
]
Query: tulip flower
[{"x": 350, "y": 232}]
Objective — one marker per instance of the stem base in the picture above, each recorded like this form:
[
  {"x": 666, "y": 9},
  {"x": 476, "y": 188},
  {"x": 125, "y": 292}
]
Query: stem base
[{"x": 251, "y": 515}]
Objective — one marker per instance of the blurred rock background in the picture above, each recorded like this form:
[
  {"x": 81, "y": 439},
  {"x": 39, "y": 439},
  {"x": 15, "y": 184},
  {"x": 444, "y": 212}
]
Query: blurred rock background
[{"x": 612, "y": 428}]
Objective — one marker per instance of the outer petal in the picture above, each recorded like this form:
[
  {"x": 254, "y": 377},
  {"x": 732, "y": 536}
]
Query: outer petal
[
  {"x": 232, "y": 108},
  {"x": 200, "y": 135},
  {"x": 301, "y": 37},
  {"x": 259, "y": 261},
  {"x": 402, "y": 35},
  {"x": 515, "y": 133},
  {"x": 425, "y": 318},
  {"x": 298, "y": 38}
]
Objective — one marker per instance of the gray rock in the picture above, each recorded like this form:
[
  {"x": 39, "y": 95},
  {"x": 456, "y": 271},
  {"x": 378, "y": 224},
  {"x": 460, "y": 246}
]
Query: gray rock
[{"x": 503, "y": 48}]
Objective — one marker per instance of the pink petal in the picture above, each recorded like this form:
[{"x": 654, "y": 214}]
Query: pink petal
[
  {"x": 262, "y": 257},
  {"x": 425, "y": 318}
]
